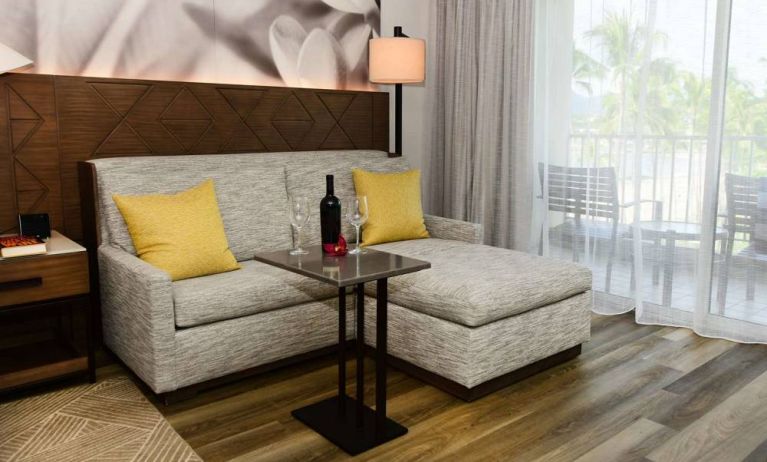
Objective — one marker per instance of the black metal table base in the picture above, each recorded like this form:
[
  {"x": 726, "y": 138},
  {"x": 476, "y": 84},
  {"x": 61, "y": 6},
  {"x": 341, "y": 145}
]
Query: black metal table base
[
  {"x": 349, "y": 424},
  {"x": 344, "y": 430}
]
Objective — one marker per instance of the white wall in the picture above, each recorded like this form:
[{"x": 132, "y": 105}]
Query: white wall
[{"x": 413, "y": 16}]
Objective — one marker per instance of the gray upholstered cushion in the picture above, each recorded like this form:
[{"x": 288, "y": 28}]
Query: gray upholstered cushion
[
  {"x": 255, "y": 288},
  {"x": 473, "y": 284},
  {"x": 456, "y": 230},
  {"x": 243, "y": 181},
  {"x": 221, "y": 348},
  {"x": 307, "y": 178},
  {"x": 251, "y": 197},
  {"x": 473, "y": 355}
]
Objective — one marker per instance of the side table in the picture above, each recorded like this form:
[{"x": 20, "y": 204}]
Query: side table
[
  {"x": 343, "y": 420},
  {"x": 32, "y": 285}
]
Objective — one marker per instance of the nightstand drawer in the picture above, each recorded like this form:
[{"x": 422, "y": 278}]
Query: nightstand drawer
[{"x": 45, "y": 277}]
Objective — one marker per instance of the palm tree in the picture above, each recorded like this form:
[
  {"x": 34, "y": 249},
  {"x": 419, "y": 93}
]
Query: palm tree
[
  {"x": 673, "y": 101},
  {"x": 745, "y": 114},
  {"x": 585, "y": 69},
  {"x": 623, "y": 41},
  {"x": 745, "y": 110},
  {"x": 691, "y": 96}
]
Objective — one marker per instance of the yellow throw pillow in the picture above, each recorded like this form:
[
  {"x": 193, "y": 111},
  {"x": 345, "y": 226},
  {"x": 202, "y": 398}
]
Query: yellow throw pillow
[
  {"x": 394, "y": 206},
  {"x": 182, "y": 234}
]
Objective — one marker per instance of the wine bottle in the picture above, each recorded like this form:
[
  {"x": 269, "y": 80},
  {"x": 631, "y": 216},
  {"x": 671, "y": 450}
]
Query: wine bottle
[{"x": 330, "y": 215}]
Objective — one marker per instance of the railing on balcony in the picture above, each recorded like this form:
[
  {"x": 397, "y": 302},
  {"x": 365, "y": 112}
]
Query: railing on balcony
[
  {"x": 672, "y": 167},
  {"x": 672, "y": 172}
]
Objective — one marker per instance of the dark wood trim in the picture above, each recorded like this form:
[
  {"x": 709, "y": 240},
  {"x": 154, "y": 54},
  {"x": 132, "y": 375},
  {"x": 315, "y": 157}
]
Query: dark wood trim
[
  {"x": 21, "y": 283},
  {"x": 486, "y": 388},
  {"x": 31, "y": 307},
  {"x": 45, "y": 372},
  {"x": 42, "y": 277},
  {"x": 191, "y": 391},
  {"x": 29, "y": 365},
  {"x": 59, "y": 121},
  {"x": 86, "y": 175}
]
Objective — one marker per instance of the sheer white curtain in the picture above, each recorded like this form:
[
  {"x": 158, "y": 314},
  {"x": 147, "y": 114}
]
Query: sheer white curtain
[{"x": 650, "y": 146}]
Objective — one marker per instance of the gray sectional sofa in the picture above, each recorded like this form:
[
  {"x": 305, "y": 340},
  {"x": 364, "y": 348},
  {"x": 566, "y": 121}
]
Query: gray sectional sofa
[{"x": 479, "y": 314}]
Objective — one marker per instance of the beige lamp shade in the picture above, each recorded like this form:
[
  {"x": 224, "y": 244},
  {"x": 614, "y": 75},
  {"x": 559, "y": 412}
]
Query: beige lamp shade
[
  {"x": 10, "y": 59},
  {"x": 397, "y": 60}
]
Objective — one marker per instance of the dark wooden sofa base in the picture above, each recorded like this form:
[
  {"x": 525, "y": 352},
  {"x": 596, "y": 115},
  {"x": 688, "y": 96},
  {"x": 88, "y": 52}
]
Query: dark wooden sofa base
[
  {"x": 447, "y": 385},
  {"x": 486, "y": 388}
]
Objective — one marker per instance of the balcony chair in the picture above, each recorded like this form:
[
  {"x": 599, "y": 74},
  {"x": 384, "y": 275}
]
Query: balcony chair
[
  {"x": 591, "y": 192},
  {"x": 745, "y": 214}
]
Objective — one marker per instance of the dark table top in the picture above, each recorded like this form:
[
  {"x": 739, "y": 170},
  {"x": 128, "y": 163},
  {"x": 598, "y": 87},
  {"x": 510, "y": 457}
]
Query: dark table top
[{"x": 343, "y": 271}]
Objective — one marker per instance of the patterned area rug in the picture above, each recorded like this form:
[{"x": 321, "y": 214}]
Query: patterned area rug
[{"x": 110, "y": 420}]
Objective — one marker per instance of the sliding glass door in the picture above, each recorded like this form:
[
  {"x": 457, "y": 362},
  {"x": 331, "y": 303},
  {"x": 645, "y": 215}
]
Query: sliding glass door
[
  {"x": 738, "y": 300},
  {"x": 651, "y": 154}
]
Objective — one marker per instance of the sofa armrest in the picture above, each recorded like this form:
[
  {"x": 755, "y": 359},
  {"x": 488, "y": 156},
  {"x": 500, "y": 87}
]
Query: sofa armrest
[
  {"x": 138, "y": 316},
  {"x": 456, "y": 230}
]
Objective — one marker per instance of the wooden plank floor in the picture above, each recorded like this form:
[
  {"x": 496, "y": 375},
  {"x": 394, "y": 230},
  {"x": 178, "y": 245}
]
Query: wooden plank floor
[{"x": 636, "y": 393}]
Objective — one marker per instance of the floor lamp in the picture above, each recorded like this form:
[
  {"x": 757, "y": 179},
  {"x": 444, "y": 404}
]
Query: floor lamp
[{"x": 399, "y": 59}]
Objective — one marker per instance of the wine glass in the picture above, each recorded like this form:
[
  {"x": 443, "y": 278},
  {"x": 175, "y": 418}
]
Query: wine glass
[
  {"x": 299, "y": 216},
  {"x": 357, "y": 215}
]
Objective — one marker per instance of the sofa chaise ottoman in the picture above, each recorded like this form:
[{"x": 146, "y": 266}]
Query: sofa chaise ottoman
[
  {"x": 479, "y": 318},
  {"x": 482, "y": 317}
]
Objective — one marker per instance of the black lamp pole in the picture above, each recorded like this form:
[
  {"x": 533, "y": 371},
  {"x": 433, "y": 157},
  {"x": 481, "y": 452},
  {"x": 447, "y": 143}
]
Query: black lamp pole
[{"x": 398, "y": 105}]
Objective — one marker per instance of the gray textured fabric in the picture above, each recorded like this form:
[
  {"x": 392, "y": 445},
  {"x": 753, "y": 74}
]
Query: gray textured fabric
[
  {"x": 307, "y": 178},
  {"x": 242, "y": 182},
  {"x": 254, "y": 288},
  {"x": 252, "y": 198},
  {"x": 221, "y": 348},
  {"x": 481, "y": 86},
  {"x": 137, "y": 316},
  {"x": 138, "y": 321},
  {"x": 473, "y": 355},
  {"x": 447, "y": 228},
  {"x": 473, "y": 284},
  {"x": 260, "y": 314}
]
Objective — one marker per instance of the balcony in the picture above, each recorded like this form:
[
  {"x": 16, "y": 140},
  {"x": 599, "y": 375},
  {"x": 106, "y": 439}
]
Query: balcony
[{"x": 672, "y": 171}]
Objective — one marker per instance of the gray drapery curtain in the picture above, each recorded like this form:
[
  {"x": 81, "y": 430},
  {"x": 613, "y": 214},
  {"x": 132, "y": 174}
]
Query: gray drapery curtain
[{"x": 479, "y": 165}]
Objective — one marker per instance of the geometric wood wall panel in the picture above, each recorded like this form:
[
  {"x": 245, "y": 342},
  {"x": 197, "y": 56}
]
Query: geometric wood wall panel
[
  {"x": 29, "y": 156},
  {"x": 49, "y": 123}
]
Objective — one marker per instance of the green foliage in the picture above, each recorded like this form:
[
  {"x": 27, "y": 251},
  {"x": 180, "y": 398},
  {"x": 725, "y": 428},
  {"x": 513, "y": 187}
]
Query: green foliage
[
  {"x": 676, "y": 100},
  {"x": 586, "y": 68}
]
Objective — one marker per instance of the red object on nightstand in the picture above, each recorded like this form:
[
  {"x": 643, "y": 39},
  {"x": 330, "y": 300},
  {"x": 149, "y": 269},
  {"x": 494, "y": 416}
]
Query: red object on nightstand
[{"x": 336, "y": 250}]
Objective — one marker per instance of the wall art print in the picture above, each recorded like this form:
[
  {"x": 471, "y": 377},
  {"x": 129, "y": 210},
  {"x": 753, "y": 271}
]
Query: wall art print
[{"x": 296, "y": 43}]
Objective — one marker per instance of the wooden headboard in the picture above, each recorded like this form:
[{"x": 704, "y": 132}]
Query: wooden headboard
[{"x": 50, "y": 123}]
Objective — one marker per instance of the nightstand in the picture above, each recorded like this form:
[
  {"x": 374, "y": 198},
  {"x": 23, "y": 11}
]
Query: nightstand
[{"x": 30, "y": 289}]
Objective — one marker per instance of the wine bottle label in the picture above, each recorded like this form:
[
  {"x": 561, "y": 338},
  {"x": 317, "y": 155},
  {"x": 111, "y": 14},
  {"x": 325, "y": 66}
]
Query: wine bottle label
[{"x": 330, "y": 215}]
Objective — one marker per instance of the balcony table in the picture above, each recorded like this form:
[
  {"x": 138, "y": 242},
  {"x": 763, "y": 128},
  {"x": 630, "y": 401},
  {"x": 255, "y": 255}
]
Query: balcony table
[{"x": 671, "y": 232}]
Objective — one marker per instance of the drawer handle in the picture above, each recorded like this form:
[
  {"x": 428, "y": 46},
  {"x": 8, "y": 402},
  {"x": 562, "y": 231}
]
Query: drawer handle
[{"x": 21, "y": 284}]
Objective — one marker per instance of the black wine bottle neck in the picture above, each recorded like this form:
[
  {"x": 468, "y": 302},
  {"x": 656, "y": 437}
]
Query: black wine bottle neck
[{"x": 329, "y": 184}]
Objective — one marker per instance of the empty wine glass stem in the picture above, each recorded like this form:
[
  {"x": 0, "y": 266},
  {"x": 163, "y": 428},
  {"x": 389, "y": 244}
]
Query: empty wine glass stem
[
  {"x": 298, "y": 237},
  {"x": 357, "y": 243}
]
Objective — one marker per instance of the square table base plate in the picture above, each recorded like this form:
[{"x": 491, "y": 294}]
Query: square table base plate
[{"x": 323, "y": 418}]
